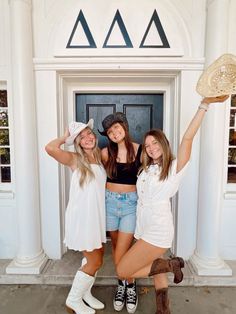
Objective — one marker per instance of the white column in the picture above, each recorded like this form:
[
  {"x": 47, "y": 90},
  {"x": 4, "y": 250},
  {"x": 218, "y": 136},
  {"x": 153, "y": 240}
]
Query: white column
[
  {"x": 30, "y": 257},
  {"x": 206, "y": 260}
]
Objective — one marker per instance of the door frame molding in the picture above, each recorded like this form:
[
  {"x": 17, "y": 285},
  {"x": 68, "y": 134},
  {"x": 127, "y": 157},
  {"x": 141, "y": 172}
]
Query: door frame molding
[{"x": 120, "y": 82}]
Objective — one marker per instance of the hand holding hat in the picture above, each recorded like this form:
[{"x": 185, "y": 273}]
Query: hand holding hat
[
  {"x": 219, "y": 78},
  {"x": 209, "y": 100}
]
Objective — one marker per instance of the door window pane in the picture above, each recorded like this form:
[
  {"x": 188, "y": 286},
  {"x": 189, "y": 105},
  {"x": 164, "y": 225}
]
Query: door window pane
[
  {"x": 3, "y": 98},
  {"x": 5, "y": 156},
  {"x": 4, "y": 137},
  {"x": 232, "y": 175},
  {"x": 232, "y": 156},
  {"x": 5, "y": 174},
  {"x": 233, "y": 101},
  {"x": 232, "y": 142},
  {"x": 3, "y": 118},
  {"x": 5, "y": 160},
  {"x": 233, "y": 118}
]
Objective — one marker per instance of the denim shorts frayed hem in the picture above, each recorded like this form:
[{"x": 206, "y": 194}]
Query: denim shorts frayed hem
[{"x": 121, "y": 211}]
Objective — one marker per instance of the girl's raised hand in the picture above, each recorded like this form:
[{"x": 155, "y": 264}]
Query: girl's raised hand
[{"x": 209, "y": 100}]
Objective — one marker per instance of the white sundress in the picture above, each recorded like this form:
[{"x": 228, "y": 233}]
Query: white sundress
[
  {"x": 154, "y": 218},
  {"x": 85, "y": 227}
]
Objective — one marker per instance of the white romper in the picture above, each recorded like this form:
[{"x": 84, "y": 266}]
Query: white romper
[
  {"x": 85, "y": 227},
  {"x": 154, "y": 218}
]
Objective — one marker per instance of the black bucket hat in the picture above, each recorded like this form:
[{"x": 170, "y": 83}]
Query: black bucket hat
[{"x": 109, "y": 120}]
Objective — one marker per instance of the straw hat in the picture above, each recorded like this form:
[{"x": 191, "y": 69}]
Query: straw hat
[
  {"x": 75, "y": 128},
  {"x": 219, "y": 78}
]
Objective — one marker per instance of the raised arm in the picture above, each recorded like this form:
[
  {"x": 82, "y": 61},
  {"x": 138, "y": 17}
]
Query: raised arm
[
  {"x": 185, "y": 147},
  {"x": 62, "y": 156}
]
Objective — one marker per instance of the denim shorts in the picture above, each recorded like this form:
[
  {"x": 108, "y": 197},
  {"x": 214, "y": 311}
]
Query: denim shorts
[{"x": 121, "y": 211}]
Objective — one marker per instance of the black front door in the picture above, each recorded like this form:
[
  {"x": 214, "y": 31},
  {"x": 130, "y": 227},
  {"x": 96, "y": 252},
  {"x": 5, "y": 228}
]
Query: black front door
[{"x": 143, "y": 111}]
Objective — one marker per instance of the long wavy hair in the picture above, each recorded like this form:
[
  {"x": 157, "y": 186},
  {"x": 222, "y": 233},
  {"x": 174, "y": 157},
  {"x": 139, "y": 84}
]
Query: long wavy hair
[
  {"x": 165, "y": 160},
  {"x": 111, "y": 164},
  {"x": 83, "y": 164}
]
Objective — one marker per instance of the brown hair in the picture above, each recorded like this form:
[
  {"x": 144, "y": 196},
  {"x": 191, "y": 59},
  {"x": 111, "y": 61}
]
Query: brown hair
[
  {"x": 165, "y": 160},
  {"x": 112, "y": 148}
]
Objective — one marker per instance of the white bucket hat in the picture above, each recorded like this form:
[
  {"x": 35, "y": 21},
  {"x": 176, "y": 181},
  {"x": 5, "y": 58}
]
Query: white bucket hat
[
  {"x": 219, "y": 78},
  {"x": 75, "y": 128}
]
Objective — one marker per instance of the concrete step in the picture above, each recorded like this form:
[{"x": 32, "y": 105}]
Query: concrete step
[{"x": 61, "y": 272}]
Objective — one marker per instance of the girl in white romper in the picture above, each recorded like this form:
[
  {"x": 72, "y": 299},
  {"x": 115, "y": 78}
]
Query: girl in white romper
[
  {"x": 158, "y": 181},
  {"x": 85, "y": 229}
]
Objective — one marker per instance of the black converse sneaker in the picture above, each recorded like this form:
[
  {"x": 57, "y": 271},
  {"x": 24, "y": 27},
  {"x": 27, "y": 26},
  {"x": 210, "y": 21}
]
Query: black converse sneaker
[
  {"x": 119, "y": 299},
  {"x": 131, "y": 297}
]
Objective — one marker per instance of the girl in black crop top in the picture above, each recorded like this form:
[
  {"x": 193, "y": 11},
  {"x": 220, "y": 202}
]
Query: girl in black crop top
[{"x": 121, "y": 159}]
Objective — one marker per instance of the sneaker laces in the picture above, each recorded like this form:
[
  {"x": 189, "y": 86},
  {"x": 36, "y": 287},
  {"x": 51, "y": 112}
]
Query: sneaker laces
[
  {"x": 120, "y": 293},
  {"x": 131, "y": 295}
]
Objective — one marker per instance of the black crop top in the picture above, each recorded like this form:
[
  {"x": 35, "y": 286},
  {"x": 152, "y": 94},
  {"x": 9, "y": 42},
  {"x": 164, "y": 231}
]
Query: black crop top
[{"x": 127, "y": 173}]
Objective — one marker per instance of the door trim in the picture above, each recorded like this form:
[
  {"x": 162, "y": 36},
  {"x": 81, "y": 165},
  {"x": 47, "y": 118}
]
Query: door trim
[{"x": 131, "y": 82}]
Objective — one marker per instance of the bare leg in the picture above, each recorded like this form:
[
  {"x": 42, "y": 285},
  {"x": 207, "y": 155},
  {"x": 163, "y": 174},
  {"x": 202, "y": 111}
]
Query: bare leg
[
  {"x": 138, "y": 260},
  {"x": 94, "y": 261},
  {"x": 121, "y": 242},
  {"x": 125, "y": 293},
  {"x": 137, "y": 263},
  {"x": 124, "y": 242},
  {"x": 144, "y": 259},
  {"x": 160, "y": 281},
  {"x": 114, "y": 236}
]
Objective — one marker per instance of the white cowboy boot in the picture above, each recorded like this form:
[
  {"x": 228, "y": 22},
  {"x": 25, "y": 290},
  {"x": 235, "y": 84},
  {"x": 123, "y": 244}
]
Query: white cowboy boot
[
  {"x": 74, "y": 301},
  {"x": 88, "y": 297}
]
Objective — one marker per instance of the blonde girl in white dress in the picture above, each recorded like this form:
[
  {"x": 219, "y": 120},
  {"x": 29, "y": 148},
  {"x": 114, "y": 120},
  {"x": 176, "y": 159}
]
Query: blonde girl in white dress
[
  {"x": 158, "y": 181},
  {"x": 85, "y": 228}
]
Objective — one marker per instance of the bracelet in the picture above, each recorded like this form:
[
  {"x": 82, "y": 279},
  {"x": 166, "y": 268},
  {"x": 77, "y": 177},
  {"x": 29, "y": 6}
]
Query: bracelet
[{"x": 203, "y": 106}]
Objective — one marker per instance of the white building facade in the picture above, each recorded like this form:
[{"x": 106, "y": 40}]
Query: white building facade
[{"x": 51, "y": 52}]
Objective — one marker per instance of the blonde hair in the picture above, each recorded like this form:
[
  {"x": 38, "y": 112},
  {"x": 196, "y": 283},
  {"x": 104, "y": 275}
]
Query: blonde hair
[
  {"x": 83, "y": 164},
  {"x": 165, "y": 160}
]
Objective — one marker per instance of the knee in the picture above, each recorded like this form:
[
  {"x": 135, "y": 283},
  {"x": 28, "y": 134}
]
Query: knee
[
  {"x": 121, "y": 271},
  {"x": 94, "y": 264}
]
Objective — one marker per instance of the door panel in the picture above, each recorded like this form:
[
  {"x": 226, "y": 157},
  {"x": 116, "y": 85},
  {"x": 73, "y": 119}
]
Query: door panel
[{"x": 143, "y": 111}]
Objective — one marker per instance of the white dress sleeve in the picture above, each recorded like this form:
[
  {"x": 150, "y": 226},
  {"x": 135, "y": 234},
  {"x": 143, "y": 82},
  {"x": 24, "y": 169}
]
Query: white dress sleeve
[
  {"x": 158, "y": 190},
  {"x": 174, "y": 179},
  {"x": 178, "y": 176}
]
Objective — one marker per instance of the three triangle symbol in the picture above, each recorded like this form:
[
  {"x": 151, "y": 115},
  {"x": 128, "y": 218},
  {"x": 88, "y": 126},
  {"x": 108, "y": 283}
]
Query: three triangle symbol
[{"x": 117, "y": 36}]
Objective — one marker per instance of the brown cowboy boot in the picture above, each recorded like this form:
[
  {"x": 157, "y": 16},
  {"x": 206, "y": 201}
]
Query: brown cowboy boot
[
  {"x": 162, "y": 301},
  {"x": 172, "y": 265}
]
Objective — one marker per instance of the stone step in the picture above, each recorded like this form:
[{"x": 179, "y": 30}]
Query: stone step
[{"x": 61, "y": 272}]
